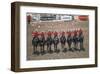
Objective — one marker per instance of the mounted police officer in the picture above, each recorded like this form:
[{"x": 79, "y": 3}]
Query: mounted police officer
[
  {"x": 69, "y": 40},
  {"x": 75, "y": 40},
  {"x": 35, "y": 42},
  {"x": 42, "y": 42},
  {"x": 56, "y": 42},
  {"x": 63, "y": 41},
  {"x": 29, "y": 18},
  {"x": 49, "y": 42},
  {"x": 81, "y": 39}
]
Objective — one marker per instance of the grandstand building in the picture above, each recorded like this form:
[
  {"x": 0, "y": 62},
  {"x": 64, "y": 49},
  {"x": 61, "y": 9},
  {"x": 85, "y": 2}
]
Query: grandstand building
[{"x": 51, "y": 17}]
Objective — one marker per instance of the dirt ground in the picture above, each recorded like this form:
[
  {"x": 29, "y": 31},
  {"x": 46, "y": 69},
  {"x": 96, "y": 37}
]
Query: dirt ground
[{"x": 57, "y": 26}]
